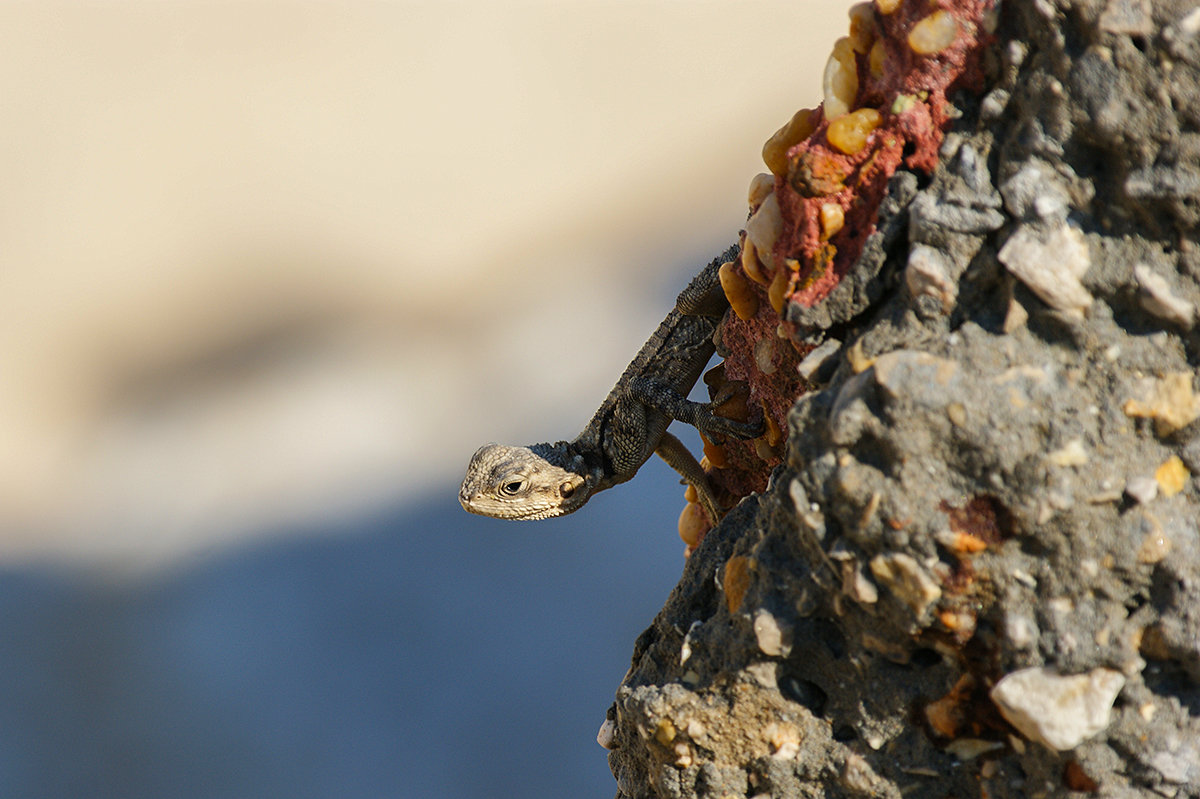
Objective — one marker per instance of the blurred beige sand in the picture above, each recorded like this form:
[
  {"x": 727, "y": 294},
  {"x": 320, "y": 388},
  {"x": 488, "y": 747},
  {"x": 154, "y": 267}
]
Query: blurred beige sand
[{"x": 272, "y": 261}]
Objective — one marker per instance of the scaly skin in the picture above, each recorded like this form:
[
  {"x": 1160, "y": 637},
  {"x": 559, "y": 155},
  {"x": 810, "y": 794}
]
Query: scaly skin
[{"x": 545, "y": 480}]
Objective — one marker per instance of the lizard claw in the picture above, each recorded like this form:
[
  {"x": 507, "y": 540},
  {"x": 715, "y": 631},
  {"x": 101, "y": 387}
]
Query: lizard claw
[{"x": 717, "y": 427}]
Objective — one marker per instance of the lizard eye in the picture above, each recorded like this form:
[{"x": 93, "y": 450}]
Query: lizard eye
[
  {"x": 512, "y": 488},
  {"x": 566, "y": 490}
]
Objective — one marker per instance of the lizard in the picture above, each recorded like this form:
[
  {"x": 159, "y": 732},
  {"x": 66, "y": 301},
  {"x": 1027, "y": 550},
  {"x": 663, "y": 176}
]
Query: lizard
[{"x": 552, "y": 479}]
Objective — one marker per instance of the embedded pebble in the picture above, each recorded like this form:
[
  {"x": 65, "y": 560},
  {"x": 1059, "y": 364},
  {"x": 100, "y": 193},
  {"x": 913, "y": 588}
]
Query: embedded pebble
[
  {"x": 1142, "y": 489},
  {"x": 1021, "y": 630},
  {"x": 751, "y": 264},
  {"x": 1190, "y": 24},
  {"x": 797, "y": 129},
  {"x": 930, "y": 217},
  {"x": 1073, "y": 453},
  {"x": 772, "y": 640},
  {"x": 1059, "y": 711},
  {"x": 960, "y": 541},
  {"x": 934, "y": 33},
  {"x": 743, "y": 299},
  {"x": 957, "y": 413},
  {"x": 875, "y": 59},
  {"x": 887, "y": 6},
  {"x": 849, "y": 132},
  {"x": 664, "y": 733},
  {"x": 994, "y": 103},
  {"x": 1171, "y": 476},
  {"x": 1051, "y": 266},
  {"x": 764, "y": 355},
  {"x": 840, "y": 79},
  {"x": 761, "y": 186},
  {"x": 715, "y": 454},
  {"x": 1168, "y": 400},
  {"x": 946, "y": 715},
  {"x": 816, "y": 359},
  {"x": 763, "y": 229},
  {"x": 783, "y": 739},
  {"x": 1157, "y": 298},
  {"x": 833, "y": 218},
  {"x": 917, "y": 376},
  {"x": 858, "y": 776},
  {"x": 1036, "y": 191},
  {"x": 1155, "y": 545},
  {"x": 1127, "y": 16},
  {"x": 607, "y": 735},
  {"x": 856, "y": 585},
  {"x": 973, "y": 169},
  {"x": 693, "y": 524},
  {"x": 685, "y": 651},
  {"x": 905, "y": 578},
  {"x": 736, "y": 581},
  {"x": 862, "y": 27},
  {"x": 1015, "y": 316},
  {"x": 928, "y": 274},
  {"x": 1180, "y": 764}
]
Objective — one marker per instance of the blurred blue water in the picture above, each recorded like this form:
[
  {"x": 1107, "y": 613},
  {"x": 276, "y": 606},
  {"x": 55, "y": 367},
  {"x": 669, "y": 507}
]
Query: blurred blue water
[{"x": 418, "y": 653}]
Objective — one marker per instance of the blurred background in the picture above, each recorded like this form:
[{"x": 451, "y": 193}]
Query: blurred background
[{"x": 270, "y": 272}]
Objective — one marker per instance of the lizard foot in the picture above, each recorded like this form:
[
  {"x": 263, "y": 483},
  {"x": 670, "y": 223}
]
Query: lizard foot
[{"x": 715, "y": 428}]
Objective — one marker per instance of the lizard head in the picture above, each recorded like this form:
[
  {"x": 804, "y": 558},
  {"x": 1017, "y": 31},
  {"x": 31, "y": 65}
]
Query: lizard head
[{"x": 523, "y": 483}]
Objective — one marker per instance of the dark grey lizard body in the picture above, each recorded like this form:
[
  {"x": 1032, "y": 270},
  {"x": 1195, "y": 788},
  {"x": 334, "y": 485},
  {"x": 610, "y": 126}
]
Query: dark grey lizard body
[{"x": 631, "y": 424}]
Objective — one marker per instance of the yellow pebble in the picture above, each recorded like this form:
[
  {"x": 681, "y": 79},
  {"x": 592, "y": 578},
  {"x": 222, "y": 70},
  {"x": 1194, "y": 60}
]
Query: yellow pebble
[
  {"x": 798, "y": 128},
  {"x": 1171, "y": 476},
  {"x": 875, "y": 59},
  {"x": 736, "y": 581},
  {"x": 858, "y": 360},
  {"x": 751, "y": 265},
  {"x": 862, "y": 27},
  {"x": 840, "y": 79},
  {"x": 715, "y": 454},
  {"x": 693, "y": 524},
  {"x": 849, "y": 132},
  {"x": 665, "y": 732},
  {"x": 887, "y": 6},
  {"x": 934, "y": 33},
  {"x": 774, "y": 434},
  {"x": 741, "y": 295},
  {"x": 832, "y": 219},
  {"x": 761, "y": 186},
  {"x": 903, "y": 103}
]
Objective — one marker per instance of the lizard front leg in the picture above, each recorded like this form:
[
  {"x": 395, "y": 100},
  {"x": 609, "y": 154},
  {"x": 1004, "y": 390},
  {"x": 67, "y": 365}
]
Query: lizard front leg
[{"x": 662, "y": 397}]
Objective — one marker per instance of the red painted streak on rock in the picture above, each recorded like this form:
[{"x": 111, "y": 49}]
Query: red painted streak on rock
[
  {"x": 911, "y": 96},
  {"x": 910, "y": 134}
]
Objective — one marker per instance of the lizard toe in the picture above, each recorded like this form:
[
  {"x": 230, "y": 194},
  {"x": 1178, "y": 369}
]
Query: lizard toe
[{"x": 719, "y": 426}]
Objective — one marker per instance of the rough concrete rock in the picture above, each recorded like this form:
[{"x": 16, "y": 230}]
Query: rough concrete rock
[{"x": 984, "y": 483}]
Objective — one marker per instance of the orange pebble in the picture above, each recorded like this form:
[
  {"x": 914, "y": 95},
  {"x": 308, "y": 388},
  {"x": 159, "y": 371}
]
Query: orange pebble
[
  {"x": 849, "y": 132},
  {"x": 693, "y": 524}
]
